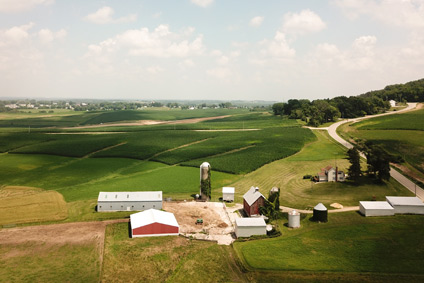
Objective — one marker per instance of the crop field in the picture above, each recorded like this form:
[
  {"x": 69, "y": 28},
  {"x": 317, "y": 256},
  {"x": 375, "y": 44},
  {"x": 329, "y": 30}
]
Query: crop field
[
  {"x": 402, "y": 135},
  {"x": 348, "y": 243},
  {"x": 25, "y": 205}
]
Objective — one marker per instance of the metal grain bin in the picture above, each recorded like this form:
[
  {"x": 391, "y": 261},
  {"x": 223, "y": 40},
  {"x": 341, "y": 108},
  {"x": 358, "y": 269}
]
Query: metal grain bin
[
  {"x": 294, "y": 219},
  {"x": 320, "y": 213}
]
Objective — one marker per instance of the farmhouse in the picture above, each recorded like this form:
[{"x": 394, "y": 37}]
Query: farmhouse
[
  {"x": 331, "y": 174},
  {"x": 129, "y": 201},
  {"x": 406, "y": 205},
  {"x": 246, "y": 227},
  {"x": 228, "y": 193},
  {"x": 153, "y": 222},
  {"x": 252, "y": 200},
  {"x": 376, "y": 208}
]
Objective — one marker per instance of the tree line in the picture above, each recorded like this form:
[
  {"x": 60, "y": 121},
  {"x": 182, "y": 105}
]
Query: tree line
[{"x": 321, "y": 111}]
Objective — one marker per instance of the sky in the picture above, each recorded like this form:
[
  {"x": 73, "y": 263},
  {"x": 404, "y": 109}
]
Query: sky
[{"x": 270, "y": 50}]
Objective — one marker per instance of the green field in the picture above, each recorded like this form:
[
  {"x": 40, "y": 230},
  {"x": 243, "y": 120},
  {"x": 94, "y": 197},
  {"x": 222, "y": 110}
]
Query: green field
[
  {"x": 402, "y": 135},
  {"x": 348, "y": 243},
  {"x": 303, "y": 194}
]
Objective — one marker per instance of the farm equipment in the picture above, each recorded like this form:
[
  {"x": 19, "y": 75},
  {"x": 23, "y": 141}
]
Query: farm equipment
[{"x": 199, "y": 221}]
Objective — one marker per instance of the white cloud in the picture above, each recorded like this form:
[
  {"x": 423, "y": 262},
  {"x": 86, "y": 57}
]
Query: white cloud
[
  {"x": 202, "y": 3},
  {"x": 13, "y": 6},
  {"x": 256, "y": 21},
  {"x": 154, "y": 70},
  {"x": 405, "y": 13},
  {"x": 220, "y": 73},
  {"x": 278, "y": 47},
  {"x": 304, "y": 22},
  {"x": 105, "y": 16},
  {"x": 16, "y": 34},
  {"x": 47, "y": 36}
]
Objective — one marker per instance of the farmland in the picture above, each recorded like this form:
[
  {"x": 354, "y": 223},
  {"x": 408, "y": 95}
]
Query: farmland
[{"x": 402, "y": 135}]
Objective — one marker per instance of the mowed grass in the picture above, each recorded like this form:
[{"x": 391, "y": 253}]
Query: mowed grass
[
  {"x": 348, "y": 243},
  {"x": 165, "y": 259},
  {"x": 26, "y": 205},
  {"x": 296, "y": 192}
]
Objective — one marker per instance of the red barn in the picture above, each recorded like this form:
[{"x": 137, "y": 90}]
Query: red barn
[
  {"x": 252, "y": 200},
  {"x": 153, "y": 222}
]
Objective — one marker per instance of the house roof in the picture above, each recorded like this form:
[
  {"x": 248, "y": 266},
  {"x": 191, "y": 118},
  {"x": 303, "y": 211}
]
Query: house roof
[
  {"x": 376, "y": 205},
  {"x": 410, "y": 201},
  {"x": 151, "y": 216},
  {"x": 320, "y": 207},
  {"x": 250, "y": 222},
  {"x": 252, "y": 195},
  {"x": 329, "y": 167},
  {"x": 228, "y": 190},
  {"x": 130, "y": 196}
]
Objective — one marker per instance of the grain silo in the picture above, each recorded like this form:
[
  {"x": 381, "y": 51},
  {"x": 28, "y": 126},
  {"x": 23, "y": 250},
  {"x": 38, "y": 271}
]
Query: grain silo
[
  {"x": 294, "y": 219},
  {"x": 205, "y": 181},
  {"x": 320, "y": 213}
]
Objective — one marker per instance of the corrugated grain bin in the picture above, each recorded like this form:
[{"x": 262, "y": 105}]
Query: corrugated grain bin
[
  {"x": 294, "y": 219},
  {"x": 320, "y": 213}
]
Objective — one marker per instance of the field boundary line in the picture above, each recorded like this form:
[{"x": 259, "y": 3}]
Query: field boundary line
[{"x": 175, "y": 148}]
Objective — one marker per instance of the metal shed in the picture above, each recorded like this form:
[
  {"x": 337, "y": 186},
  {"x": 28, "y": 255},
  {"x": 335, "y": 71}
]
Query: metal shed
[
  {"x": 406, "y": 205},
  {"x": 228, "y": 193},
  {"x": 376, "y": 208},
  {"x": 246, "y": 227},
  {"x": 129, "y": 201},
  {"x": 153, "y": 222}
]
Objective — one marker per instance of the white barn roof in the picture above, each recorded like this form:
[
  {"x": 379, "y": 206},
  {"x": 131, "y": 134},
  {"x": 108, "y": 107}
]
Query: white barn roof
[
  {"x": 151, "y": 216},
  {"x": 406, "y": 201},
  {"x": 250, "y": 222},
  {"x": 376, "y": 205},
  {"x": 130, "y": 196},
  {"x": 228, "y": 190},
  {"x": 252, "y": 195}
]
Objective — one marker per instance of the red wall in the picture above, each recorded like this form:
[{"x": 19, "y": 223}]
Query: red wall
[
  {"x": 155, "y": 228},
  {"x": 254, "y": 208}
]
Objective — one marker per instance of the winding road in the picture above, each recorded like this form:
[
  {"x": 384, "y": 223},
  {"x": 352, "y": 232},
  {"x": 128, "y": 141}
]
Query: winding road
[{"x": 332, "y": 131}]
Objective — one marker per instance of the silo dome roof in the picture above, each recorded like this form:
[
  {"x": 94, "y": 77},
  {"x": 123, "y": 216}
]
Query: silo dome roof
[
  {"x": 205, "y": 164},
  {"x": 294, "y": 212},
  {"x": 320, "y": 207}
]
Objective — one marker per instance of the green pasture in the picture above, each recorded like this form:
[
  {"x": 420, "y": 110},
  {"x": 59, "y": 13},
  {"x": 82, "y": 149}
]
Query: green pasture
[
  {"x": 296, "y": 192},
  {"x": 166, "y": 259},
  {"x": 400, "y": 134},
  {"x": 348, "y": 243}
]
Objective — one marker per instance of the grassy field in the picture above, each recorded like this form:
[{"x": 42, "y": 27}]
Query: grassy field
[
  {"x": 303, "y": 194},
  {"x": 348, "y": 243},
  {"x": 401, "y": 135},
  {"x": 26, "y": 205},
  {"x": 165, "y": 259}
]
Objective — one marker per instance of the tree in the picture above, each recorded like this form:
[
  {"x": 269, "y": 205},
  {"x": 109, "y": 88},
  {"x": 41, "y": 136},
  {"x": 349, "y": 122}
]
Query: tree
[
  {"x": 354, "y": 170},
  {"x": 278, "y": 108},
  {"x": 378, "y": 161}
]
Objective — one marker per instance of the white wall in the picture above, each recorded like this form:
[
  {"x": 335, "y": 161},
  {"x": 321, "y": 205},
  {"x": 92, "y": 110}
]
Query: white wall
[{"x": 245, "y": 231}]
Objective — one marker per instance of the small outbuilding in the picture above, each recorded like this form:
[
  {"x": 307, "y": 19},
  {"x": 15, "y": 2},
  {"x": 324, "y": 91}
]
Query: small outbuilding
[
  {"x": 129, "y": 201},
  {"x": 228, "y": 193},
  {"x": 376, "y": 208},
  {"x": 246, "y": 227},
  {"x": 252, "y": 201},
  {"x": 153, "y": 222},
  {"x": 406, "y": 205},
  {"x": 320, "y": 213},
  {"x": 294, "y": 219}
]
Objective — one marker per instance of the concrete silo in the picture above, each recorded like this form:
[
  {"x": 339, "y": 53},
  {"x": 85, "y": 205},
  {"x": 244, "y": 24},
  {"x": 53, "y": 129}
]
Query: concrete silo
[{"x": 205, "y": 181}]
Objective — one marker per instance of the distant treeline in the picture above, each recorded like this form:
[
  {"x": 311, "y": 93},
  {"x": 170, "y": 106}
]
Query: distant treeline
[{"x": 321, "y": 111}]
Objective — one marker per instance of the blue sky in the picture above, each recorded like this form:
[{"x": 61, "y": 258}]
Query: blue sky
[{"x": 208, "y": 49}]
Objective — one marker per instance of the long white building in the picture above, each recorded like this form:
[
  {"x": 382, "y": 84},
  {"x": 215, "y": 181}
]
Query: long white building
[{"x": 129, "y": 201}]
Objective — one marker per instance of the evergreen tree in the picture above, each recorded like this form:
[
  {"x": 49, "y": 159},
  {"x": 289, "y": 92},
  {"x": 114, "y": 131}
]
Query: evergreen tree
[
  {"x": 354, "y": 170},
  {"x": 378, "y": 161}
]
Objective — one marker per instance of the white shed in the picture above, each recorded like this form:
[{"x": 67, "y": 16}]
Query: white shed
[
  {"x": 406, "y": 205},
  {"x": 228, "y": 193},
  {"x": 376, "y": 208},
  {"x": 246, "y": 227},
  {"x": 129, "y": 201}
]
